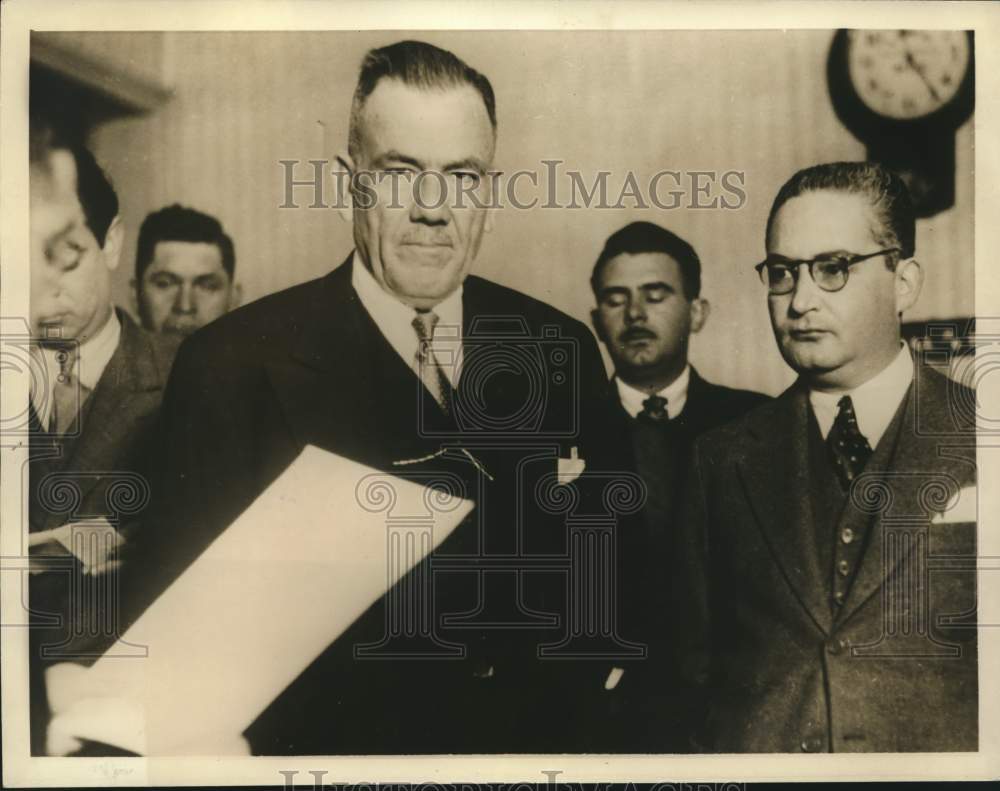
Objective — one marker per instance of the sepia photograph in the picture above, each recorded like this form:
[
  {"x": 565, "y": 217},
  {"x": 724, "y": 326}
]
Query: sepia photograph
[{"x": 434, "y": 392}]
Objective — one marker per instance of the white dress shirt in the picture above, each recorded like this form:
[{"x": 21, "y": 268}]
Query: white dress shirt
[
  {"x": 675, "y": 393},
  {"x": 395, "y": 320},
  {"x": 95, "y": 354},
  {"x": 875, "y": 401}
]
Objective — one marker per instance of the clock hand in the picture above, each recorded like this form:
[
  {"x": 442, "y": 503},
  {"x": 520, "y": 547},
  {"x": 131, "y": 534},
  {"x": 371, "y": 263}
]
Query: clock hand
[{"x": 920, "y": 73}]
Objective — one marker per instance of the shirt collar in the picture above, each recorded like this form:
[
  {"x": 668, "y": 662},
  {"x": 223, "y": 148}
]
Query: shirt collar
[
  {"x": 95, "y": 353},
  {"x": 675, "y": 393},
  {"x": 395, "y": 320},
  {"x": 875, "y": 401}
]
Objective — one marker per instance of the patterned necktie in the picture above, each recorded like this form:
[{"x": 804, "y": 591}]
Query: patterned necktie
[
  {"x": 654, "y": 409},
  {"x": 68, "y": 393},
  {"x": 849, "y": 448},
  {"x": 430, "y": 372}
]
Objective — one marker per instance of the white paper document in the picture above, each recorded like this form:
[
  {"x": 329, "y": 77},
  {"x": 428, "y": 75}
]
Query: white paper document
[{"x": 274, "y": 590}]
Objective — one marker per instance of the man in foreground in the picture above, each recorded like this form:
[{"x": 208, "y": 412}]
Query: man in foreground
[
  {"x": 813, "y": 523},
  {"x": 380, "y": 361}
]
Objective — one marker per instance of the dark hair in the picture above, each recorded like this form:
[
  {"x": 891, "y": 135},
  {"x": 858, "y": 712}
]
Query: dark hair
[
  {"x": 647, "y": 237},
  {"x": 93, "y": 188},
  {"x": 176, "y": 223},
  {"x": 419, "y": 65},
  {"x": 886, "y": 192}
]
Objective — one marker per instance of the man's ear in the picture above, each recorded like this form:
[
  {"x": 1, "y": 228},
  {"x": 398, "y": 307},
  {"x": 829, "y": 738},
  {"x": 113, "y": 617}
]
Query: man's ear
[
  {"x": 113, "y": 241},
  {"x": 700, "y": 308},
  {"x": 908, "y": 282},
  {"x": 235, "y": 295},
  {"x": 344, "y": 173}
]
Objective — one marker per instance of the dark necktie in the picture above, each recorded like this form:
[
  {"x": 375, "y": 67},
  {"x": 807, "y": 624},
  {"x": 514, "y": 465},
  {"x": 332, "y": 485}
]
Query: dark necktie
[
  {"x": 68, "y": 393},
  {"x": 849, "y": 448},
  {"x": 654, "y": 410},
  {"x": 429, "y": 370}
]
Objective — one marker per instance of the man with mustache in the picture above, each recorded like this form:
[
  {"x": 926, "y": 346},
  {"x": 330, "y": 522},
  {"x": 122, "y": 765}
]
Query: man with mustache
[
  {"x": 185, "y": 270},
  {"x": 647, "y": 285},
  {"x": 400, "y": 359},
  {"x": 93, "y": 404},
  {"x": 830, "y": 538}
]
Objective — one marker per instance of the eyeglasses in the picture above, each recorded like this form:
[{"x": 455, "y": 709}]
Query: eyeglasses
[{"x": 829, "y": 272}]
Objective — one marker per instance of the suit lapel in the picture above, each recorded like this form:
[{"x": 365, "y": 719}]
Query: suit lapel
[
  {"x": 697, "y": 415},
  {"x": 775, "y": 475},
  {"x": 130, "y": 385},
  {"x": 904, "y": 469},
  {"x": 341, "y": 366},
  {"x": 332, "y": 346}
]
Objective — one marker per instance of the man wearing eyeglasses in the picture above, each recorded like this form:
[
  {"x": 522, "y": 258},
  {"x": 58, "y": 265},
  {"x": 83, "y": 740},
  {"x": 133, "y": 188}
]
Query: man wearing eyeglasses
[{"x": 813, "y": 621}]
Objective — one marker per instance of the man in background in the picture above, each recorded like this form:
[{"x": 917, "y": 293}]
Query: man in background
[
  {"x": 93, "y": 408},
  {"x": 647, "y": 285},
  {"x": 185, "y": 269},
  {"x": 813, "y": 521}
]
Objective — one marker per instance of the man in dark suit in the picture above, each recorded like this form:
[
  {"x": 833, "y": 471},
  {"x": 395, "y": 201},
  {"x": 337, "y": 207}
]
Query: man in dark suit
[
  {"x": 830, "y": 538},
  {"x": 647, "y": 285},
  {"x": 361, "y": 362},
  {"x": 93, "y": 408}
]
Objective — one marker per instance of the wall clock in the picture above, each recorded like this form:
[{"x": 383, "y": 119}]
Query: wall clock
[{"x": 904, "y": 93}]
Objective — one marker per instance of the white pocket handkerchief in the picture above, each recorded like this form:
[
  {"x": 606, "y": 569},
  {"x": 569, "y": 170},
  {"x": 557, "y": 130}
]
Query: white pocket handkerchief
[
  {"x": 568, "y": 470},
  {"x": 613, "y": 678},
  {"x": 962, "y": 507}
]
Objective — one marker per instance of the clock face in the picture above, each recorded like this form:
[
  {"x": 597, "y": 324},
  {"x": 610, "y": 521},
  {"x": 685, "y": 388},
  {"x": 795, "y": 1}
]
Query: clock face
[{"x": 907, "y": 74}]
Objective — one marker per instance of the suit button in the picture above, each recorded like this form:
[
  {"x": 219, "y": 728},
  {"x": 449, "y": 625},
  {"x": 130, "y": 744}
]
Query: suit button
[
  {"x": 838, "y": 596},
  {"x": 847, "y": 535},
  {"x": 843, "y": 567},
  {"x": 836, "y": 646},
  {"x": 811, "y": 744}
]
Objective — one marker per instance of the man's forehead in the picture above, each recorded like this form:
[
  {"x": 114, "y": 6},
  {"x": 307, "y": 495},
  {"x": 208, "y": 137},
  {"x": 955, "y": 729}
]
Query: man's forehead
[
  {"x": 55, "y": 178},
  {"x": 176, "y": 254},
  {"x": 636, "y": 269},
  {"x": 822, "y": 221},
  {"x": 435, "y": 125},
  {"x": 55, "y": 206}
]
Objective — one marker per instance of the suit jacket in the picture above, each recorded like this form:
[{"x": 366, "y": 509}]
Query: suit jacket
[
  {"x": 98, "y": 468},
  {"x": 310, "y": 366},
  {"x": 892, "y": 669},
  {"x": 645, "y": 710}
]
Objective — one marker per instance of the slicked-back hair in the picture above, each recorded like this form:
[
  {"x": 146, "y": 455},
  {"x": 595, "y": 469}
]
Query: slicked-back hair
[
  {"x": 419, "y": 65},
  {"x": 176, "y": 223},
  {"x": 646, "y": 237},
  {"x": 884, "y": 190},
  {"x": 93, "y": 188}
]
